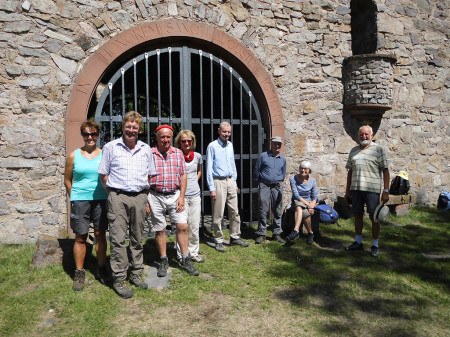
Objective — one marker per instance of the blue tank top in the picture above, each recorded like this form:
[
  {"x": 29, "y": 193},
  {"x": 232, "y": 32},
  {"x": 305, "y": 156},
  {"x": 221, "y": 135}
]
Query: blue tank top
[{"x": 86, "y": 181}]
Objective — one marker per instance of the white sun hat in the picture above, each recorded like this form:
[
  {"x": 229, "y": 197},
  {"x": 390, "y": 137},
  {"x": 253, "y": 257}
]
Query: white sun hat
[{"x": 381, "y": 213}]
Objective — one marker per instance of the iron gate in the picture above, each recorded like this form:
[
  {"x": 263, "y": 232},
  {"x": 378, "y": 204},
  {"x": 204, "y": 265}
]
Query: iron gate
[{"x": 187, "y": 89}]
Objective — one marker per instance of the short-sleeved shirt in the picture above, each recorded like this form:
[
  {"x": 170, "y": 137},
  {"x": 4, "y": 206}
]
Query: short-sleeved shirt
[
  {"x": 367, "y": 166},
  {"x": 169, "y": 170},
  {"x": 127, "y": 170},
  {"x": 193, "y": 189}
]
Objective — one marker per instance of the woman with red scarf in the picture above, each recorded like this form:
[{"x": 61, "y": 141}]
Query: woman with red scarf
[{"x": 185, "y": 140}]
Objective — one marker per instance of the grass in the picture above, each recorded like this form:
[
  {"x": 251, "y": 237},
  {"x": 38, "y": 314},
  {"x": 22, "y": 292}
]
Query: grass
[{"x": 263, "y": 290}]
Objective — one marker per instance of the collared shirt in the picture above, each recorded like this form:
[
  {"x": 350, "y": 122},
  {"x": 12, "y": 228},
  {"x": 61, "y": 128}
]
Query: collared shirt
[
  {"x": 126, "y": 170},
  {"x": 367, "y": 166},
  {"x": 168, "y": 171},
  {"x": 269, "y": 168},
  {"x": 219, "y": 162}
]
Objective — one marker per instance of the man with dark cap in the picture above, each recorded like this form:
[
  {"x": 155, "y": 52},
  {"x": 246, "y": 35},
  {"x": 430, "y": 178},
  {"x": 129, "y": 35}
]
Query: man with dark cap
[{"x": 270, "y": 171}]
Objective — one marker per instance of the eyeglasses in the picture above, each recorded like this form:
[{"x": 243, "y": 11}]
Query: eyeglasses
[
  {"x": 92, "y": 134},
  {"x": 189, "y": 141},
  {"x": 304, "y": 168}
]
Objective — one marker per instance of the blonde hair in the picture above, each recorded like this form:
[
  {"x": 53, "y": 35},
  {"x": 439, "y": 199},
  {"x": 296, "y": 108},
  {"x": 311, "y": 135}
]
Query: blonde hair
[
  {"x": 132, "y": 116},
  {"x": 188, "y": 133}
]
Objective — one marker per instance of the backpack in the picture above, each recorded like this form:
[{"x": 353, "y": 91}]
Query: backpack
[
  {"x": 400, "y": 184},
  {"x": 288, "y": 220},
  {"x": 444, "y": 201},
  {"x": 328, "y": 214}
]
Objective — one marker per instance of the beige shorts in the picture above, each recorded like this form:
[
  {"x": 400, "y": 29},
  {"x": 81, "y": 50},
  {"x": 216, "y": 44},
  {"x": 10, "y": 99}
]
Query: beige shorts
[
  {"x": 162, "y": 203},
  {"x": 305, "y": 212}
]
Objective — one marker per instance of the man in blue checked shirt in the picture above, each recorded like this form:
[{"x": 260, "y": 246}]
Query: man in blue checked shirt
[
  {"x": 270, "y": 171},
  {"x": 221, "y": 177}
]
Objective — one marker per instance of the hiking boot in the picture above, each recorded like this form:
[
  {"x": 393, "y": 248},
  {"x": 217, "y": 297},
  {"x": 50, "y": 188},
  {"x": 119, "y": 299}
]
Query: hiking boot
[
  {"x": 310, "y": 239},
  {"x": 198, "y": 259},
  {"x": 293, "y": 236},
  {"x": 78, "y": 279},
  {"x": 278, "y": 238},
  {"x": 102, "y": 274},
  {"x": 220, "y": 248},
  {"x": 138, "y": 281},
  {"x": 238, "y": 242},
  {"x": 122, "y": 289},
  {"x": 260, "y": 239},
  {"x": 374, "y": 251},
  {"x": 187, "y": 265},
  {"x": 162, "y": 269},
  {"x": 355, "y": 246}
]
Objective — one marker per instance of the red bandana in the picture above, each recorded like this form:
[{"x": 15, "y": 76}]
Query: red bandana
[{"x": 189, "y": 157}]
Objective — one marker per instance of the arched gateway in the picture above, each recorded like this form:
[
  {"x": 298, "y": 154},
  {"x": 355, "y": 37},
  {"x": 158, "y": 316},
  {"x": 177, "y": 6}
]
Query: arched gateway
[{"x": 186, "y": 74}]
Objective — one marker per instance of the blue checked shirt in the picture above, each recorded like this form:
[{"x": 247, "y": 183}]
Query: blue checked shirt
[
  {"x": 126, "y": 170},
  {"x": 219, "y": 162}
]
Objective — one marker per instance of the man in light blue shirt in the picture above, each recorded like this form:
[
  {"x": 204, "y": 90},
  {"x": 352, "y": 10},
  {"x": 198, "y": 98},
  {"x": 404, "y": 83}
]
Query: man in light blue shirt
[{"x": 221, "y": 177}]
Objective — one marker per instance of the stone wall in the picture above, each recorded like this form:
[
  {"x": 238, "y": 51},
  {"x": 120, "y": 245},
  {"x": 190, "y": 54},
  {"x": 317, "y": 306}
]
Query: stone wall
[{"x": 302, "y": 44}]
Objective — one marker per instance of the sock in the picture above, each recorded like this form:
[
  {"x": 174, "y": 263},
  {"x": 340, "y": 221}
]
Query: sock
[
  {"x": 358, "y": 238},
  {"x": 164, "y": 257},
  {"x": 184, "y": 257},
  {"x": 375, "y": 243}
]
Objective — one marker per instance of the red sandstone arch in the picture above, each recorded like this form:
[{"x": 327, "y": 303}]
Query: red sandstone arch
[{"x": 94, "y": 69}]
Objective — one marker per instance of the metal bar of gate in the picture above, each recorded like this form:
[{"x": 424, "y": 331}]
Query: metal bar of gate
[
  {"x": 250, "y": 152},
  {"x": 211, "y": 95},
  {"x": 241, "y": 134},
  {"x": 231, "y": 103},
  {"x": 135, "y": 86},
  {"x": 170, "y": 85},
  {"x": 110, "y": 86},
  {"x": 200, "y": 53},
  {"x": 221, "y": 90},
  {"x": 122, "y": 71},
  {"x": 147, "y": 100},
  {"x": 158, "y": 52}
]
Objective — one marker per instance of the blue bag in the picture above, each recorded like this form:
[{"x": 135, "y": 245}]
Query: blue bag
[{"x": 327, "y": 214}]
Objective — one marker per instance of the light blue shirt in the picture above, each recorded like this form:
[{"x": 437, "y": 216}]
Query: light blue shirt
[{"x": 219, "y": 162}]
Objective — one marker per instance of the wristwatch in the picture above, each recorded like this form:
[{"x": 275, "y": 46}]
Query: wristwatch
[{"x": 386, "y": 191}]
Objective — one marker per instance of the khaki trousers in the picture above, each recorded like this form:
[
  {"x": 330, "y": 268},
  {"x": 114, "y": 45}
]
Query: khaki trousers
[
  {"x": 225, "y": 194},
  {"x": 126, "y": 213}
]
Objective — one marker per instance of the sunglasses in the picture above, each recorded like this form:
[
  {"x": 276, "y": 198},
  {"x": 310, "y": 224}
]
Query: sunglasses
[
  {"x": 189, "y": 141},
  {"x": 92, "y": 134}
]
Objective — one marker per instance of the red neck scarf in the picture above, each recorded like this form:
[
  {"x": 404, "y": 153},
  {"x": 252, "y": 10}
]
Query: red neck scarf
[{"x": 189, "y": 157}]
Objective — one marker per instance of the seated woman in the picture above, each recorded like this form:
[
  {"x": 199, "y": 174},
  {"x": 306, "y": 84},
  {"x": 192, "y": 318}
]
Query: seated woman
[{"x": 304, "y": 198}]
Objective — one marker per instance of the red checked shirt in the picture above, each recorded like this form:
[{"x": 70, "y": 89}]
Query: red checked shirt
[{"x": 168, "y": 171}]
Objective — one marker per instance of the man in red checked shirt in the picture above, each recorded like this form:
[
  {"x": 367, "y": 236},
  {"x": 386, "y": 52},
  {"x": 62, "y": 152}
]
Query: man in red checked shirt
[{"x": 167, "y": 189}]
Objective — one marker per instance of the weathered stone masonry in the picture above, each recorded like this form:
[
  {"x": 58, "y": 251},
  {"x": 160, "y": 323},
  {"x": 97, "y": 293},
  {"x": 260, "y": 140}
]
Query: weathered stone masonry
[{"x": 301, "y": 43}]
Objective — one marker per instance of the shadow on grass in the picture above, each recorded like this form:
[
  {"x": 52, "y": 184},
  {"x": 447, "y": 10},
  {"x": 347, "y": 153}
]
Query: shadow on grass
[{"x": 349, "y": 285}]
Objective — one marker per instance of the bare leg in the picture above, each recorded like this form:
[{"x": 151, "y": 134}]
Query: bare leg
[
  {"x": 375, "y": 228},
  {"x": 100, "y": 246},
  {"x": 298, "y": 218},
  {"x": 161, "y": 241},
  {"x": 358, "y": 224},
  {"x": 307, "y": 223},
  {"x": 79, "y": 250},
  {"x": 183, "y": 237}
]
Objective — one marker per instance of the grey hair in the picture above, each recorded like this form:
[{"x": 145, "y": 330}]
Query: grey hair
[
  {"x": 307, "y": 164},
  {"x": 224, "y": 123},
  {"x": 366, "y": 126}
]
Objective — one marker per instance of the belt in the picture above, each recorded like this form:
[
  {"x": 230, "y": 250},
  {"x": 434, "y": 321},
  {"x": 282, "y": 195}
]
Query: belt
[
  {"x": 164, "y": 193},
  {"x": 271, "y": 184},
  {"x": 127, "y": 192},
  {"x": 221, "y": 178}
]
